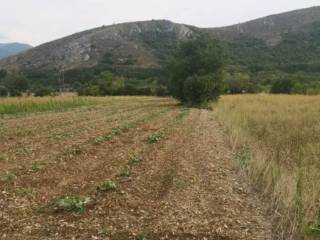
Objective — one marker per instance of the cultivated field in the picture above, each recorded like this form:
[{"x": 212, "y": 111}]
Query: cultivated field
[
  {"x": 277, "y": 140},
  {"x": 120, "y": 168}
]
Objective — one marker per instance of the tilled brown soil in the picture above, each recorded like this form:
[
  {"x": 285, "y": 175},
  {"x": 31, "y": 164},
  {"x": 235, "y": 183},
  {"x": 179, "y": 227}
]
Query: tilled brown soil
[{"x": 187, "y": 185}]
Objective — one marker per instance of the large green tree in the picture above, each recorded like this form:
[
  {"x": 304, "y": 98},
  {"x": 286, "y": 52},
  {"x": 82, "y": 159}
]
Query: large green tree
[
  {"x": 16, "y": 82},
  {"x": 196, "y": 70}
]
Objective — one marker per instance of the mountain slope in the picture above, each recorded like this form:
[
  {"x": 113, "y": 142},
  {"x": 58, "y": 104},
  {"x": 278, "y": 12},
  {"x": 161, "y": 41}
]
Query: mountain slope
[
  {"x": 270, "y": 29},
  {"x": 8, "y": 49},
  {"x": 137, "y": 43}
]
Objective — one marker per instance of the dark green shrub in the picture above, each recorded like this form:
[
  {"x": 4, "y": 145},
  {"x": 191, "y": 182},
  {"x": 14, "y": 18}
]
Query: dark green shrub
[
  {"x": 3, "y": 91},
  {"x": 42, "y": 92},
  {"x": 282, "y": 86},
  {"x": 199, "y": 90}
]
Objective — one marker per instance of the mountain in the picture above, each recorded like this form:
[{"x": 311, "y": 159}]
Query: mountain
[
  {"x": 8, "y": 49},
  {"x": 291, "y": 37},
  {"x": 140, "y": 43},
  {"x": 138, "y": 49},
  {"x": 271, "y": 29}
]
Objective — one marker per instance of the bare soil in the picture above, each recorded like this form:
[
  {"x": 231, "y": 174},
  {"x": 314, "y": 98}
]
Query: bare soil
[{"x": 187, "y": 185}]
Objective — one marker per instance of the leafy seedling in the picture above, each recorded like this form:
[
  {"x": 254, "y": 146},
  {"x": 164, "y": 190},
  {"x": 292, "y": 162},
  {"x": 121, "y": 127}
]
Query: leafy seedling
[
  {"x": 125, "y": 172},
  {"x": 24, "y": 150},
  {"x": 116, "y": 131},
  {"x": 8, "y": 177},
  {"x": 3, "y": 157},
  {"x": 182, "y": 184},
  {"x": 38, "y": 166},
  {"x": 99, "y": 140},
  {"x": 134, "y": 159},
  {"x": 156, "y": 137},
  {"x": 72, "y": 204},
  {"x": 107, "y": 186},
  {"x": 24, "y": 191}
]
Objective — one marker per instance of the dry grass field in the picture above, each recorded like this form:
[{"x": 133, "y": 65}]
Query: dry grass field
[
  {"x": 120, "y": 168},
  {"x": 277, "y": 140}
]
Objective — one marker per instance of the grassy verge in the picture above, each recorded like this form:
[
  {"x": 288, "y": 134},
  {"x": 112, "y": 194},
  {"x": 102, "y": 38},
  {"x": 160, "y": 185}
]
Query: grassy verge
[
  {"x": 277, "y": 141},
  {"x": 20, "y": 106}
]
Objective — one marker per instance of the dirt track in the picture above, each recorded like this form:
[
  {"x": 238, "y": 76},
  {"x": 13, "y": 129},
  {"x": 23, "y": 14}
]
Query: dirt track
[{"x": 187, "y": 186}]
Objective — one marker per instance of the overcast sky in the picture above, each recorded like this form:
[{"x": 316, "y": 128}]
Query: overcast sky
[{"x": 39, "y": 21}]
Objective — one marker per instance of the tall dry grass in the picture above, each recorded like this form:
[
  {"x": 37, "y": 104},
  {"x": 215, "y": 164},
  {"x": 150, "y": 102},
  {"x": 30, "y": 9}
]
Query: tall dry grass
[
  {"x": 26, "y": 105},
  {"x": 277, "y": 140}
]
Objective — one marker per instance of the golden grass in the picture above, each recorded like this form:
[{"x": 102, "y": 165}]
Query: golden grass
[
  {"x": 283, "y": 135},
  {"x": 25, "y": 105}
]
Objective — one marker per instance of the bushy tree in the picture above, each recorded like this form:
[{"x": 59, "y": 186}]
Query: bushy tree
[
  {"x": 43, "y": 91},
  {"x": 282, "y": 86},
  {"x": 3, "y": 91},
  {"x": 16, "y": 82},
  {"x": 196, "y": 71}
]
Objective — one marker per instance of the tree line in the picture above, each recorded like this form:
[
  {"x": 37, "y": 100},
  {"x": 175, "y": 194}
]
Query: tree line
[{"x": 196, "y": 72}]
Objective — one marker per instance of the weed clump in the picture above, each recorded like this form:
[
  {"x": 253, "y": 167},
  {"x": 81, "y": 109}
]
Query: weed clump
[
  {"x": 38, "y": 166},
  {"x": 72, "y": 204},
  {"x": 107, "y": 186},
  {"x": 125, "y": 172},
  {"x": 8, "y": 177},
  {"x": 156, "y": 137},
  {"x": 134, "y": 159},
  {"x": 243, "y": 155}
]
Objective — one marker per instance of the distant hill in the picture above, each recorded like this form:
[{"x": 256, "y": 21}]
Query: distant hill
[
  {"x": 138, "y": 49},
  {"x": 8, "y": 49}
]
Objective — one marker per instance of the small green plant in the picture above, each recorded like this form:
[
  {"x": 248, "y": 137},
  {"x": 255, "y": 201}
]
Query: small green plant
[
  {"x": 24, "y": 150},
  {"x": 107, "y": 186},
  {"x": 182, "y": 184},
  {"x": 183, "y": 113},
  {"x": 72, "y": 204},
  {"x": 116, "y": 131},
  {"x": 125, "y": 172},
  {"x": 75, "y": 151},
  {"x": 134, "y": 159},
  {"x": 104, "y": 231},
  {"x": 99, "y": 140},
  {"x": 24, "y": 191},
  {"x": 4, "y": 157},
  {"x": 243, "y": 155},
  {"x": 39, "y": 210},
  {"x": 8, "y": 177},
  {"x": 156, "y": 137},
  {"x": 38, "y": 166},
  {"x": 102, "y": 139}
]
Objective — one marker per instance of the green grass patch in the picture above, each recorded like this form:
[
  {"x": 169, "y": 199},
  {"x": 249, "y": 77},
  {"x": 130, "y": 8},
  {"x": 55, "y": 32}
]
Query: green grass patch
[
  {"x": 33, "y": 105},
  {"x": 243, "y": 155}
]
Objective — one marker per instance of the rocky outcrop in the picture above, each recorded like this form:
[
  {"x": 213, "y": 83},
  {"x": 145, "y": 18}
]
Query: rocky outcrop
[{"x": 84, "y": 49}]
